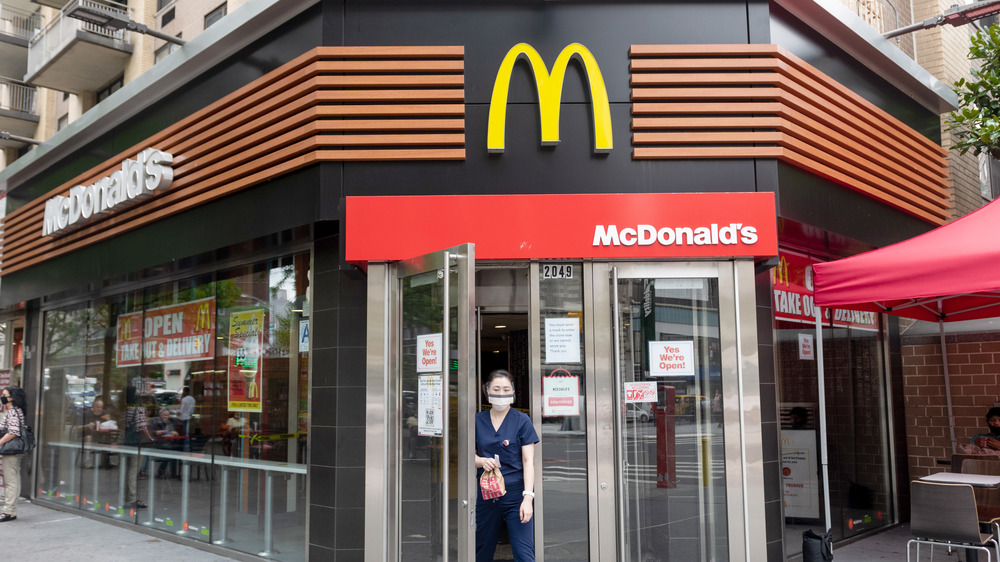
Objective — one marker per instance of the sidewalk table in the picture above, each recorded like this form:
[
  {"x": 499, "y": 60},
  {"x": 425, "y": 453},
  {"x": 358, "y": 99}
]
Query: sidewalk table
[{"x": 975, "y": 480}]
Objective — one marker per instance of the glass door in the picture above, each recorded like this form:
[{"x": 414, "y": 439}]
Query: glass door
[
  {"x": 684, "y": 363},
  {"x": 434, "y": 386}
]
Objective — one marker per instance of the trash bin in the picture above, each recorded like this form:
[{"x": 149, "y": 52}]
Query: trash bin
[{"x": 817, "y": 547}]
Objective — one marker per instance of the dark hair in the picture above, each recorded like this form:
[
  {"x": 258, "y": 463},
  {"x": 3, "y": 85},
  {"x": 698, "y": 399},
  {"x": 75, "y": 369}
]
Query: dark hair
[
  {"x": 185, "y": 391},
  {"x": 131, "y": 396},
  {"x": 18, "y": 398},
  {"x": 496, "y": 374},
  {"x": 994, "y": 411},
  {"x": 799, "y": 411}
]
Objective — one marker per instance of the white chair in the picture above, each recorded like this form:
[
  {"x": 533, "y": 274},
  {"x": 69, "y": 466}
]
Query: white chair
[{"x": 945, "y": 515}]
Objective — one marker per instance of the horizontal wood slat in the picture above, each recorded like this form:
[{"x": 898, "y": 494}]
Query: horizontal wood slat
[
  {"x": 330, "y": 104},
  {"x": 760, "y": 101}
]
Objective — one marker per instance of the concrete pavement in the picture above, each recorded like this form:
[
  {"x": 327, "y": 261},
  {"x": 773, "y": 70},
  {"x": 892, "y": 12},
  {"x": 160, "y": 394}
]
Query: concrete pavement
[{"x": 41, "y": 533}]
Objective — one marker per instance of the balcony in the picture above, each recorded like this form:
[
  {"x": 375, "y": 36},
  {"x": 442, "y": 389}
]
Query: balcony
[
  {"x": 74, "y": 56},
  {"x": 18, "y": 108},
  {"x": 17, "y": 26}
]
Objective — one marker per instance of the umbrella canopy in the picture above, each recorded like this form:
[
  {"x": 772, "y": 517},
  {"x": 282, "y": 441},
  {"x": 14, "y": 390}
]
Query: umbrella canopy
[{"x": 957, "y": 264}]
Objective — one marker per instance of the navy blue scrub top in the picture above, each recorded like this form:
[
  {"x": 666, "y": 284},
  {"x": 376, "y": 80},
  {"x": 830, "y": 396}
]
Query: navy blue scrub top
[{"x": 515, "y": 430}]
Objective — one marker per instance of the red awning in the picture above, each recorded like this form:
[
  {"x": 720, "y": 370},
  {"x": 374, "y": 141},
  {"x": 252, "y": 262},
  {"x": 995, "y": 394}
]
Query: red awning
[{"x": 958, "y": 263}]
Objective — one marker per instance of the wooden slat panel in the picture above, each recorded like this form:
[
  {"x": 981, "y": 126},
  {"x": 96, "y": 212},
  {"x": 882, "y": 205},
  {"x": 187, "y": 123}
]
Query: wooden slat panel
[
  {"x": 663, "y": 152},
  {"x": 829, "y": 129},
  {"x": 707, "y": 79},
  {"x": 391, "y": 66},
  {"x": 800, "y": 161},
  {"x": 713, "y": 138},
  {"x": 277, "y": 124}
]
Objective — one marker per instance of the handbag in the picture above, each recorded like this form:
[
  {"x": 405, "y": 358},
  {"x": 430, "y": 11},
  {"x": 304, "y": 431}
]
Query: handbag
[{"x": 21, "y": 444}]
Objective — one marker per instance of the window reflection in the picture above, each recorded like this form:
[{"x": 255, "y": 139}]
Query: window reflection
[{"x": 183, "y": 406}]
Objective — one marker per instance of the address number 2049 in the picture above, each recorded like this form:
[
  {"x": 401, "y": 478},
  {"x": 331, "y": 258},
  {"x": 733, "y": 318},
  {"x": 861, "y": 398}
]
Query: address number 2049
[{"x": 557, "y": 271}]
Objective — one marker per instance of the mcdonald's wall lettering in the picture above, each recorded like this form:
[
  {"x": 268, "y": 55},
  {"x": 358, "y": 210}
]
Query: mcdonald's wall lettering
[
  {"x": 550, "y": 87},
  {"x": 183, "y": 332},
  {"x": 136, "y": 180}
]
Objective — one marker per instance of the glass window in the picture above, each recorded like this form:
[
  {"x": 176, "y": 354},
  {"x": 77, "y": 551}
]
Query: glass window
[
  {"x": 110, "y": 88},
  {"x": 673, "y": 445},
  {"x": 165, "y": 50},
  {"x": 855, "y": 399},
  {"x": 564, "y": 413},
  {"x": 215, "y": 15},
  {"x": 183, "y": 406}
]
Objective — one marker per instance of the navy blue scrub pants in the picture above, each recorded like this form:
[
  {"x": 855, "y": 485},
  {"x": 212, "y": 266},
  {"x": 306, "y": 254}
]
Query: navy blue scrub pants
[{"x": 492, "y": 514}]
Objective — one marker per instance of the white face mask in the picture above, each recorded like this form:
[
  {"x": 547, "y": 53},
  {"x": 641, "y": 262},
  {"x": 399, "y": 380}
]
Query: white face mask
[{"x": 501, "y": 401}]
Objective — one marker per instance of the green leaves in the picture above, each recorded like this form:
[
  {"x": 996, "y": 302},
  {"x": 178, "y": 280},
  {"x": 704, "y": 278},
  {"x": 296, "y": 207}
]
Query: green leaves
[{"x": 976, "y": 124}]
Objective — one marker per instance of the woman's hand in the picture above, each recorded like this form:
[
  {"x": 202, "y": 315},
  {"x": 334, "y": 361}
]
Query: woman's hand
[
  {"x": 486, "y": 463},
  {"x": 527, "y": 508}
]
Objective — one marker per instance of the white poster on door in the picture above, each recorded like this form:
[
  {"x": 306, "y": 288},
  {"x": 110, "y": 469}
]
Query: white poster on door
[
  {"x": 430, "y": 406},
  {"x": 429, "y": 353},
  {"x": 561, "y": 394},
  {"x": 671, "y": 359},
  {"x": 562, "y": 340},
  {"x": 798, "y": 473}
]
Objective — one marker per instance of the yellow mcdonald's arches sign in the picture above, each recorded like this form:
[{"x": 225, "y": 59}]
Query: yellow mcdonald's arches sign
[{"x": 550, "y": 95}]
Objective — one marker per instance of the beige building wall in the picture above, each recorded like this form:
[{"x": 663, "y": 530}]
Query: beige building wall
[
  {"x": 885, "y": 16},
  {"x": 943, "y": 51}
]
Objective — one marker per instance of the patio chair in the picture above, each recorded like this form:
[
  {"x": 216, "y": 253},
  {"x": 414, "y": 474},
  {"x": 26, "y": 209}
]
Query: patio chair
[
  {"x": 987, "y": 499},
  {"x": 945, "y": 515}
]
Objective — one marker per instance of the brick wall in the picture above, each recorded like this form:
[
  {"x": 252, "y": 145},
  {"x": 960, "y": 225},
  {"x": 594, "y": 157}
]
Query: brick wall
[{"x": 974, "y": 369}]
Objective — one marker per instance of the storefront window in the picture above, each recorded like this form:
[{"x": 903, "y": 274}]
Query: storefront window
[
  {"x": 855, "y": 399},
  {"x": 182, "y": 407},
  {"x": 564, "y": 412}
]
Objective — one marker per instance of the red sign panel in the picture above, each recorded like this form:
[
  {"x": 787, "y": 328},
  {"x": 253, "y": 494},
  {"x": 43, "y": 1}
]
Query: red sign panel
[
  {"x": 183, "y": 332},
  {"x": 574, "y": 226},
  {"x": 793, "y": 296}
]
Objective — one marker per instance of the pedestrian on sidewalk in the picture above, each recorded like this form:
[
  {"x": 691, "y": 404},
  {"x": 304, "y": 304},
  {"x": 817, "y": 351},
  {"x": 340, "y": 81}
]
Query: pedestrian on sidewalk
[{"x": 14, "y": 404}]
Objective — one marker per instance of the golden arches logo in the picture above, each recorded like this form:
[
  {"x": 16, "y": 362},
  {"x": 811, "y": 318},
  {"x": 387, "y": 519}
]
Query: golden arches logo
[
  {"x": 550, "y": 88},
  {"x": 203, "y": 318},
  {"x": 125, "y": 329}
]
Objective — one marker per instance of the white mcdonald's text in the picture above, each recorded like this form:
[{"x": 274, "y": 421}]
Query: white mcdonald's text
[
  {"x": 646, "y": 235},
  {"x": 137, "y": 179}
]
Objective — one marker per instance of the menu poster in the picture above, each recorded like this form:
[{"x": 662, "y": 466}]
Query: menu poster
[
  {"x": 430, "y": 406},
  {"x": 246, "y": 347},
  {"x": 798, "y": 473},
  {"x": 180, "y": 332}
]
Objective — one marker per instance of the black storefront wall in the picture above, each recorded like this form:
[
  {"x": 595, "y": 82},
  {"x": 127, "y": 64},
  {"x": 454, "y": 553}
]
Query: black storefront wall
[{"x": 312, "y": 196}]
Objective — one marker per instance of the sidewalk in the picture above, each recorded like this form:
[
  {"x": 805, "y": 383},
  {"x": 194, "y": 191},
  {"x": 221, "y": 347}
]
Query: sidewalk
[
  {"x": 891, "y": 545},
  {"x": 41, "y": 533}
]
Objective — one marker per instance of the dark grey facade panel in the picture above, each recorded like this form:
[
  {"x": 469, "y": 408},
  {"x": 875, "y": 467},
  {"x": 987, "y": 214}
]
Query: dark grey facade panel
[
  {"x": 827, "y": 206},
  {"x": 489, "y": 29},
  {"x": 527, "y": 167},
  {"x": 284, "y": 203},
  {"x": 810, "y": 46}
]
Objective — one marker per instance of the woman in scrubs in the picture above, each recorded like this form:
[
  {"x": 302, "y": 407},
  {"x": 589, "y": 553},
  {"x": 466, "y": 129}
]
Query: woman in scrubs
[{"x": 506, "y": 434}]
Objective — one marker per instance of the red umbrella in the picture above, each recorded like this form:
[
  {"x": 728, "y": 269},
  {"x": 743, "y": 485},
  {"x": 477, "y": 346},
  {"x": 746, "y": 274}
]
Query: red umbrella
[{"x": 948, "y": 274}]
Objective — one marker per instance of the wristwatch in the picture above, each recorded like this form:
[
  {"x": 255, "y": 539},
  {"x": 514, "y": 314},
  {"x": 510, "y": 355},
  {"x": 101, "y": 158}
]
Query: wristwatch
[{"x": 527, "y": 493}]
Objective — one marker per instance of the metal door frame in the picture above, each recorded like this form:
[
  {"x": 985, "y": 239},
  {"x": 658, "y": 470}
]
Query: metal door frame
[
  {"x": 741, "y": 397},
  {"x": 383, "y": 447}
]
